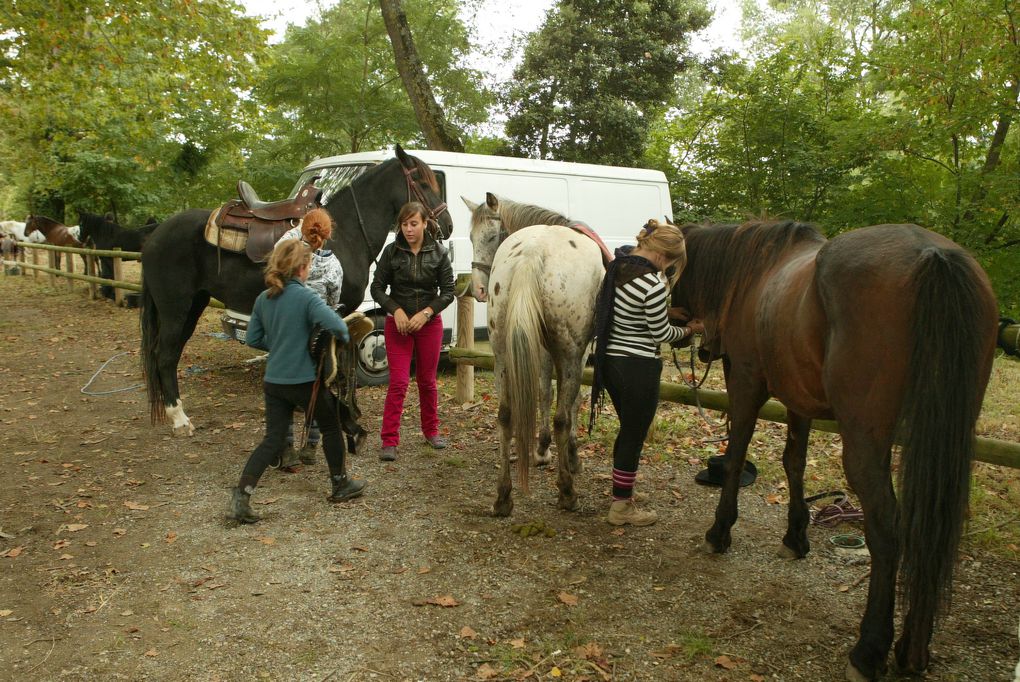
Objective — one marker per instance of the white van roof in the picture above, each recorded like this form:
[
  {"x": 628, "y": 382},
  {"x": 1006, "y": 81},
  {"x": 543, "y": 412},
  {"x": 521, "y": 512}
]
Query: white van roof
[{"x": 438, "y": 158}]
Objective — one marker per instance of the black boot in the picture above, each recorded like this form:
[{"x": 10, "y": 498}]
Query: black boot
[
  {"x": 240, "y": 506},
  {"x": 345, "y": 488}
]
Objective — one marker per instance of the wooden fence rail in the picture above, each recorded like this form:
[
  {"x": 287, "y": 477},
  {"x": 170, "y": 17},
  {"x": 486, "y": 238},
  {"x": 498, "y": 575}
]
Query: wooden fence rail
[
  {"x": 990, "y": 450},
  {"x": 90, "y": 256}
]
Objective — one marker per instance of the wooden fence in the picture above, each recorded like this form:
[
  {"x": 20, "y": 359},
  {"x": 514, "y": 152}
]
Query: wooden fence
[{"x": 91, "y": 258}]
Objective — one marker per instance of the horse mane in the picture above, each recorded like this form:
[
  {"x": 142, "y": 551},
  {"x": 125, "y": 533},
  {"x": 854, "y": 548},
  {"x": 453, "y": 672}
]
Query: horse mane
[
  {"x": 724, "y": 260},
  {"x": 516, "y": 215},
  {"x": 95, "y": 226}
]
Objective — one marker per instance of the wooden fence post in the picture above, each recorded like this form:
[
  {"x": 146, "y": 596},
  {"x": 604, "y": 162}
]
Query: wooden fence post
[
  {"x": 118, "y": 274},
  {"x": 90, "y": 270},
  {"x": 70, "y": 269},
  {"x": 465, "y": 339},
  {"x": 35, "y": 261},
  {"x": 53, "y": 266}
]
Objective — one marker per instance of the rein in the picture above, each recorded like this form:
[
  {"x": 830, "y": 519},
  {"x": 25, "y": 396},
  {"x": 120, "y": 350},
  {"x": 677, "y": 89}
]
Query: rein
[{"x": 694, "y": 384}]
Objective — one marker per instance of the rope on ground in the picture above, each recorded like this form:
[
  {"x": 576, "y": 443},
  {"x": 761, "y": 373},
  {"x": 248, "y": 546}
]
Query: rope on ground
[{"x": 84, "y": 389}]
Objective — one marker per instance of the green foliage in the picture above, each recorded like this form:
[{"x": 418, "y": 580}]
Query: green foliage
[
  {"x": 98, "y": 100},
  {"x": 335, "y": 88},
  {"x": 852, "y": 113},
  {"x": 595, "y": 75}
]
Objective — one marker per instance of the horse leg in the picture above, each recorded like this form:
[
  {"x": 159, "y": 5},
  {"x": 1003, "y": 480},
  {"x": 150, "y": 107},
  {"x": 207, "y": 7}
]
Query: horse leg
[
  {"x": 568, "y": 386},
  {"x": 866, "y": 463},
  {"x": 747, "y": 395},
  {"x": 543, "y": 457},
  {"x": 795, "y": 542},
  {"x": 172, "y": 338},
  {"x": 504, "y": 488}
]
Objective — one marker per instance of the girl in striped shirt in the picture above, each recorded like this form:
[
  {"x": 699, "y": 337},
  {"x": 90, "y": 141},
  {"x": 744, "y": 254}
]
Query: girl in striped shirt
[{"x": 630, "y": 325}]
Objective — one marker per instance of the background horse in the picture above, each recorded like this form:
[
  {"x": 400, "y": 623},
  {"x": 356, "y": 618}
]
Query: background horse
[
  {"x": 544, "y": 282},
  {"x": 181, "y": 271},
  {"x": 56, "y": 233},
  {"x": 100, "y": 233},
  {"x": 891, "y": 331}
]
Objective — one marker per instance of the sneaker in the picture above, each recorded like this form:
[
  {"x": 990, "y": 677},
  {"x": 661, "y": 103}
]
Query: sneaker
[
  {"x": 437, "y": 442},
  {"x": 388, "y": 453},
  {"x": 622, "y": 512}
]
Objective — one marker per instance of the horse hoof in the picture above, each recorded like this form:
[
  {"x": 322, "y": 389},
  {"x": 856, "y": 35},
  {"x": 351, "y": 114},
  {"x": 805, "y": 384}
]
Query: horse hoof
[
  {"x": 184, "y": 430},
  {"x": 543, "y": 461},
  {"x": 502, "y": 509},
  {"x": 854, "y": 675},
  {"x": 707, "y": 547},
  {"x": 568, "y": 503}
]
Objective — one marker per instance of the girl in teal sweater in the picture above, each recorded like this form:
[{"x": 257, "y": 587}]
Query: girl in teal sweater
[{"x": 282, "y": 322}]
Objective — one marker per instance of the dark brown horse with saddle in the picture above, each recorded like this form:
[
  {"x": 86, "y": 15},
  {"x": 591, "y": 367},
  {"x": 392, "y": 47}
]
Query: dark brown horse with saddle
[{"x": 891, "y": 331}]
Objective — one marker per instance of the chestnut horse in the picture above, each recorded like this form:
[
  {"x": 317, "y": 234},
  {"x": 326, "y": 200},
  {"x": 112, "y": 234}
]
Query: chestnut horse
[
  {"x": 56, "y": 233},
  {"x": 888, "y": 329}
]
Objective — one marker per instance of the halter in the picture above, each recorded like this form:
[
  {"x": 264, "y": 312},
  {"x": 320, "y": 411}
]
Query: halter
[
  {"x": 415, "y": 193},
  {"x": 503, "y": 234}
]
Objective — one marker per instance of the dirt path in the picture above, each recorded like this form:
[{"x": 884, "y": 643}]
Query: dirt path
[{"x": 116, "y": 561}]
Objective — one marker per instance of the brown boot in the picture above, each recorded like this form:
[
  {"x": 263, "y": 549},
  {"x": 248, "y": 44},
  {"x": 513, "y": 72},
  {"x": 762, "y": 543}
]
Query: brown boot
[{"x": 622, "y": 512}]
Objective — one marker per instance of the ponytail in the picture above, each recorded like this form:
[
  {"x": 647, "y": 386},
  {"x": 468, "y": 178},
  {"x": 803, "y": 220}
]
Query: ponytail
[{"x": 284, "y": 263}]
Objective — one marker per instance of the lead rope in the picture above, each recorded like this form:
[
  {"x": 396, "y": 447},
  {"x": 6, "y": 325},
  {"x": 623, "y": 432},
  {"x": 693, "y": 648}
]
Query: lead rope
[{"x": 694, "y": 385}]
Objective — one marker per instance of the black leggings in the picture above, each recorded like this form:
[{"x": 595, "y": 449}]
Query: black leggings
[
  {"x": 281, "y": 399},
  {"x": 633, "y": 386}
]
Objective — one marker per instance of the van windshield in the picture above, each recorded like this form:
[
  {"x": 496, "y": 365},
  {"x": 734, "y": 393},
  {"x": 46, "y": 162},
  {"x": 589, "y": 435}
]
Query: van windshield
[{"x": 331, "y": 180}]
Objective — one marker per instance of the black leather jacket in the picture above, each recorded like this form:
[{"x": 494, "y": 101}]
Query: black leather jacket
[{"x": 413, "y": 280}]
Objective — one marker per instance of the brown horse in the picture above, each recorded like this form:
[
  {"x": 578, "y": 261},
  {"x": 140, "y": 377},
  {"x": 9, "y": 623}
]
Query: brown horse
[
  {"x": 56, "y": 233},
  {"x": 888, "y": 329}
]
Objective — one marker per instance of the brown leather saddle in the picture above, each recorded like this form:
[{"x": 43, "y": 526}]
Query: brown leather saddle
[{"x": 252, "y": 226}]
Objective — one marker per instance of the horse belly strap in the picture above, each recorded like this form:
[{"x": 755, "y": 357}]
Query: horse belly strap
[{"x": 607, "y": 255}]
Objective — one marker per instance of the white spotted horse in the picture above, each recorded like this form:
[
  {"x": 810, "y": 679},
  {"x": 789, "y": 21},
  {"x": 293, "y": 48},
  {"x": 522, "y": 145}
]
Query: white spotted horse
[
  {"x": 541, "y": 279},
  {"x": 182, "y": 270}
]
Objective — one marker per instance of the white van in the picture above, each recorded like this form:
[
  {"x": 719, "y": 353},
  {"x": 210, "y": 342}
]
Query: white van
[{"x": 613, "y": 201}]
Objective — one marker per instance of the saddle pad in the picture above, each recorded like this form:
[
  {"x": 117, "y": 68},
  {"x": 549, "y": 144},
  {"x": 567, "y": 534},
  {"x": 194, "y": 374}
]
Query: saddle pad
[
  {"x": 225, "y": 238},
  {"x": 607, "y": 255}
]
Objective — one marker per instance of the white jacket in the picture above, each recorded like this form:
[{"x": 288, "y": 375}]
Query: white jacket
[{"x": 325, "y": 276}]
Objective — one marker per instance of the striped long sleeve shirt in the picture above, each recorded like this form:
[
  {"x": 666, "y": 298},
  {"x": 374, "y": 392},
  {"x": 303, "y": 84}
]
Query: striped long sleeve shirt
[{"x": 640, "y": 324}]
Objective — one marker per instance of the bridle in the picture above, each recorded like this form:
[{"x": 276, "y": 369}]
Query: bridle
[
  {"x": 415, "y": 193},
  {"x": 694, "y": 384}
]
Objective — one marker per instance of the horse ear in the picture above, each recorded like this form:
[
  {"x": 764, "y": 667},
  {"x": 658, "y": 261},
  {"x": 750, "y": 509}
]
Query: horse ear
[
  {"x": 491, "y": 200},
  {"x": 470, "y": 204},
  {"x": 402, "y": 155}
]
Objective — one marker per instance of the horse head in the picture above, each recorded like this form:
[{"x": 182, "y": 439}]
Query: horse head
[
  {"x": 423, "y": 187},
  {"x": 486, "y": 235}
]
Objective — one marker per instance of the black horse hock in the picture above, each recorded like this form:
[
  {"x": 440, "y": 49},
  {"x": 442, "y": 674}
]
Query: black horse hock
[
  {"x": 100, "y": 233},
  {"x": 181, "y": 270},
  {"x": 891, "y": 331}
]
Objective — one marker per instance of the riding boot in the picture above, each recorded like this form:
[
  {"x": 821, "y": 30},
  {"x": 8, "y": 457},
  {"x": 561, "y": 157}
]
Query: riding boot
[
  {"x": 240, "y": 506},
  {"x": 345, "y": 488}
]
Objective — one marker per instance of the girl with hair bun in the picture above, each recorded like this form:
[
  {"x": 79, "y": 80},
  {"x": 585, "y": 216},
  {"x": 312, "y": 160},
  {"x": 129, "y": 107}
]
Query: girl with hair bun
[
  {"x": 281, "y": 323},
  {"x": 630, "y": 325}
]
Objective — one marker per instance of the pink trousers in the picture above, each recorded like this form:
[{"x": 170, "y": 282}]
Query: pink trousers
[{"x": 424, "y": 345}]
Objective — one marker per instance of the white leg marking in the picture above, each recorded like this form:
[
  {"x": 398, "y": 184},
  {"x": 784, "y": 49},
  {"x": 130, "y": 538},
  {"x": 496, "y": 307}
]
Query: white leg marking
[{"x": 178, "y": 420}]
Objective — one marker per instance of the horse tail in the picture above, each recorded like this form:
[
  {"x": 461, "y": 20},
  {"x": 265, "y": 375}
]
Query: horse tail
[
  {"x": 946, "y": 379},
  {"x": 523, "y": 333},
  {"x": 149, "y": 316}
]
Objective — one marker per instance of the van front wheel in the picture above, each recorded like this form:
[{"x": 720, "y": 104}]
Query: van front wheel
[{"x": 373, "y": 368}]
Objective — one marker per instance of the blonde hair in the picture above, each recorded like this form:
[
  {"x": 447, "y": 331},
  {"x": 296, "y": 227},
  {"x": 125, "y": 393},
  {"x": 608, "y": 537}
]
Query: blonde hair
[
  {"x": 317, "y": 227},
  {"x": 284, "y": 263},
  {"x": 667, "y": 239}
]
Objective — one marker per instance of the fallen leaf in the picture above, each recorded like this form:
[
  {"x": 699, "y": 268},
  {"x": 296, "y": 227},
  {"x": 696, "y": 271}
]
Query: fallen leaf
[
  {"x": 342, "y": 568},
  {"x": 60, "y": 544},
  {"x": 755, "y": 677},
  {"x": 555, "y": 672},
  {"x": 119, "y": 531},
  {"x": 486, "y": 672},
  {"x": 567, "y": 598},
  {"x": 590, "y": 651},
  {"x": 170, "y": 537},
  {"x": 128, "y": 612},
  {"x": 90, "y": 543},
  {"x": 268, "y": 500},
  {"x": 65, "y": 557},
  {"x": 618, "y": 532},
  {"x": 73, "y": 527},
  {"x": 13, "y": 552},
  {"x": 445, "y": 600},
  {"x": 134, "y": 506},
  {"x": 467, "y": 633},
  {"x": 152, "y": 653},
  {"x": 517, "y": 643},
  {"x": 775, "y": 498},
  {"x": 725, "y": 661},
  {"x": 844, "y": 588},
  {"x": 5, "y": 612},
  {"x": 266, "y": 540},
  {"x": 358, "y": 548},
  {"x": 423, "y": 570}
]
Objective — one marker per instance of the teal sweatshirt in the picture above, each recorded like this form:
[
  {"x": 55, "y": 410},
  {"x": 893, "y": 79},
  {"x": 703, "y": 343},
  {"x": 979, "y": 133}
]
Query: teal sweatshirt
[{"x": 283, "y": 325}]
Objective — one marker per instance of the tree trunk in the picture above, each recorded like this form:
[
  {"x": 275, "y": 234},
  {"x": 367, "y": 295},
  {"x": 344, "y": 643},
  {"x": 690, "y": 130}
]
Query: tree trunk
[{"x": 439, "y": 134}]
